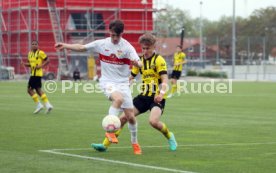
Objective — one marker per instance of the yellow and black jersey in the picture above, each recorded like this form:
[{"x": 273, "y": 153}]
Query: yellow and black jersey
[
  {"x": 151, "y": 72},
  {"x": 36, "y": 58},
  {"x": 178, "y": 58}
]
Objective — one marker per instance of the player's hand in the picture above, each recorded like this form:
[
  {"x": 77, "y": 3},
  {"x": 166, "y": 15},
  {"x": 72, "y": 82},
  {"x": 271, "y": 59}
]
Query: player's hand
[
  {"x": 137, "y": 63},
  {"x": 158, "y": 98},
  {"x": 24, "y": 64},
  {"x": 38, "y": 67},
  {"x": 131, "y": 81},
  {"x": 59, "y": 46}
]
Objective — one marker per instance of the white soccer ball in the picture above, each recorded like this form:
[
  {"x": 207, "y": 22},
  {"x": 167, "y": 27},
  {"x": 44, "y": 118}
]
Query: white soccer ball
[{"x": 111, "y": 123}]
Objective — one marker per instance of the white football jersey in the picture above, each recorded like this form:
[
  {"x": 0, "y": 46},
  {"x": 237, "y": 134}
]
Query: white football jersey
[{"x": 115, "y": 59}]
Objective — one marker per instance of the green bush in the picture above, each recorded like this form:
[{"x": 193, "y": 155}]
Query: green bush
[
  {"x": 191, "y": 73},
  {"x": 211, "y": 74}
]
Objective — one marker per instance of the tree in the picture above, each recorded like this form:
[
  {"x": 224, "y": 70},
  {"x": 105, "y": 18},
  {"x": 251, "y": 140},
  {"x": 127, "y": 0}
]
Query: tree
[{"x": 172, "y": 20}]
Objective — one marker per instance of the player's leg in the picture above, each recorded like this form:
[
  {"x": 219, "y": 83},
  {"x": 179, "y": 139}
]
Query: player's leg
[
  {"x": 106, "y": 143},
  {"x": 42, "y": 95},
  {"x": 123, "y": 119},
  {"x": 117, "y": 99},
  {"x": 132, "y": 126},
  {"x": 173, "y": 84},
  {"x": 45, "y": 100},
  {"x": 111, "y": 91},
  {"x": 30, "y": 90},
  {"x": 130, "y": 113},
  {"x": 174, "y": 87},
  {"x": 154, "y": 120},
  {"x": 116, "y": 95}
]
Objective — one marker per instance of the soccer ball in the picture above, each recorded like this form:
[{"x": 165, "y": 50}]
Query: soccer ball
[{"x": 111, "y": 123}]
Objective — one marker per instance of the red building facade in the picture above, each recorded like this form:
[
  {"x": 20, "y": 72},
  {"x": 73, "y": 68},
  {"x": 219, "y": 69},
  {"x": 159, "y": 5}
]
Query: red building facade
[{"x": 49, "y": 21}]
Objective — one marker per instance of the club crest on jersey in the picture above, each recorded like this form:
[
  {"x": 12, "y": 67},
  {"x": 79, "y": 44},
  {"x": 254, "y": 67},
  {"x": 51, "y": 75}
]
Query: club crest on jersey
[
  {"x": 119, "y": 53},
  {"x": 113, "y": 56}
]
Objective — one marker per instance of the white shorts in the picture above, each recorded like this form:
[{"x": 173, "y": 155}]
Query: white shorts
[{"x": 122, "y": 88}]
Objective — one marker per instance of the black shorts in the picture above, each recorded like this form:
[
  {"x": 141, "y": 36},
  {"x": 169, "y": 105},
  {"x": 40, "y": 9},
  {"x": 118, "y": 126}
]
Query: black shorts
[
  {"x": 176, "y": 74},
  {"x": 144, "y": 103},
  {"x": 34, "y": 82}
]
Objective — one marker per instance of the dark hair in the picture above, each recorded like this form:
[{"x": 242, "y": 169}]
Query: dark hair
[
  {"x": 34, "y": 41},
  {"x": 117, "y": 26},
  {"x": 147, "y": 39},
  {"x": 179, "y": 46}
]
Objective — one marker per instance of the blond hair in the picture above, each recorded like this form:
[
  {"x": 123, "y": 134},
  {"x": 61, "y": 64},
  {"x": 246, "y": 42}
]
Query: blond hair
[{"x": 147, "y": 39}]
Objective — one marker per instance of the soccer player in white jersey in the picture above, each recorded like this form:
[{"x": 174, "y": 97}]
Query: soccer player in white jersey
[{"x": 116, "y": 54}]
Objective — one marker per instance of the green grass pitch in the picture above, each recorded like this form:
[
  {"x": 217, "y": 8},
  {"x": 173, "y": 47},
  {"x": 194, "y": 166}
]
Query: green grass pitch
[{"x": 216, "y": 133}]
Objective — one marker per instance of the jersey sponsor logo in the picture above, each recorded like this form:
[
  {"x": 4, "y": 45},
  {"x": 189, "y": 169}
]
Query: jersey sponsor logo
[
  {"x": 153, "y": 66},
  {"x": 113, "y": 59}
]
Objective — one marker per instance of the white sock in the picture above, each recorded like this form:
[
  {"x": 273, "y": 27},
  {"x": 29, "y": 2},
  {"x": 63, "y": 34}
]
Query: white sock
[
  {"x": 113, "y": 111},
  {"x": 47, "y": 104},
  {"x": 133, "y": 131}
]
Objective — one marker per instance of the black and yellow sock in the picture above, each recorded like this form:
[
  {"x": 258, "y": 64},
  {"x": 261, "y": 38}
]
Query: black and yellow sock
[
  {"x": 44, "y": 98},
  {"x": 106, "y": 142},
  {"x": 174, "y": 87},
  {"x": 35, "y": 98},
  {"x": 165, "y": 131}
]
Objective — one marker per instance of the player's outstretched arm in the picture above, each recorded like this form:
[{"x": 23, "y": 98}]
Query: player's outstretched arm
[
  {"x": 25, "y": 64},
  {"x": 75, "y": 47},
  {"x": 138, "y": 64}
]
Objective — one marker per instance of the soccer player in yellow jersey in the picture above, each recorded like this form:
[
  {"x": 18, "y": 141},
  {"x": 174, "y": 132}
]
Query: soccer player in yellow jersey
[
  {"x": 37, "y": 59},
  {"x": 152, "y": 96},
  {"x": 178, "y": 61}
]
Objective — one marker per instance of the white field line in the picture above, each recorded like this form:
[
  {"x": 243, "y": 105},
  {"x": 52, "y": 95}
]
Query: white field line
[
  {"x": 58, "y": 152},
  {"x": 116, "y": 161},
  {"x": 188, "y": 145}
]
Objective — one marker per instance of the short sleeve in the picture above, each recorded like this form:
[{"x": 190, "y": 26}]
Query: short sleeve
[
  {"x": 161, "y": 65},
  {"x": 134, "y": 71},
  {"x": 93, "y": 46},
  {"x": 42, "y": 54},
  {"x": 184, "y": 56},
  {"x": 133, "y": 56}
]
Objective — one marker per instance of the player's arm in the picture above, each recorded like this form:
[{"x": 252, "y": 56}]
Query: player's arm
[
  {"x": 130, "y": 78},
  {"x": 135, "y": 59},
  {"x": 164, "y": 84},
  {"x": 173, "y": 61},
  {"x": 183, "y": 60},
  {"x": 137, "y": 63},
  {"x": 180, "y": 63},
  {"x": 26, "y": 64},
  {"x": 45, "y": 62},
  {"x": 163, "y": 88},
  {"x": 74, "y": 47},
  {"x": 133, "y": 74},
  {"x": 162, "y": 71}
]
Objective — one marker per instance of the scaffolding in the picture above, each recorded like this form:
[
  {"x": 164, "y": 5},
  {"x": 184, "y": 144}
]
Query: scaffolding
[
  {"x": 71, "y": 21},
  {"x": 1, "y": 40}
]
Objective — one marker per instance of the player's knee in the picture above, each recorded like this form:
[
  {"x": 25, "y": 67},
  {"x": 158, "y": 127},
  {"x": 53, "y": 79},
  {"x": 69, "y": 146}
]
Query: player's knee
[
  {"x": 123, "y": 120},
  {"x": 153, "y": 123},
  {"x": 118, "y": 100},
  {"x": 29, "y": 90}
]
